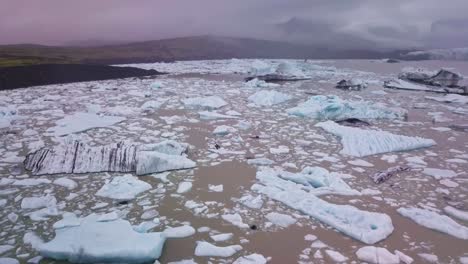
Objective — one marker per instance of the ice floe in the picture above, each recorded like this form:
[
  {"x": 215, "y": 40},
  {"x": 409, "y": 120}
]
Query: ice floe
[
  {"x": 435, "y": 221},
  {"x": 359, "y": 142},
  {"x": 439, "y": 173},
  {"x": 367, "y": 227},
  {"x": 268, "y": 98},
  {"x": 205, "y": 249},
  {"x": 210, "y": 102},
  {"x": 280, "y": 219},
  {"x": 251, "y": 259},
  {"x": 377, "y": 255},
  {"x": 80, "y": 122},
  {"x": 93, "y": 240},
  {"x": 123, "y": 188},
  {"x": 179, "y": 232},
  {"x": 332, "y": 107}
]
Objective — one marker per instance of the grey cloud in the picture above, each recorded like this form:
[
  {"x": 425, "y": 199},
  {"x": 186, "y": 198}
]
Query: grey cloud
[{"x": 337, "y": 23}]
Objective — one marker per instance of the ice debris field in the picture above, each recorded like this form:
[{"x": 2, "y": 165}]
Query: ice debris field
[{"x": 239, "y": 161}]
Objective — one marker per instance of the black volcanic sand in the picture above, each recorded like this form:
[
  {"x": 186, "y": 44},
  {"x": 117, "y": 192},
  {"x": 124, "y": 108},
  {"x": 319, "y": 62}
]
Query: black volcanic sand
[{"x": 44, "y": 74}]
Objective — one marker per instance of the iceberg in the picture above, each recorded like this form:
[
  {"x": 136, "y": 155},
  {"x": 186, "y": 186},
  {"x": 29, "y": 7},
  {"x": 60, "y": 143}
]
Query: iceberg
[
  {"x": 205, "y": 249},
  {"x": 268, "y": 98},
  {"x": 179, "y": 232},
  {"x": 210, "y": 102},
  {"x": 332, "y": 107},
  {"x": 80, "y": 122},
  {"x": 280, "y": 219},
  {"x": 454, "y": 212},
  {"x": 92, "y": 240},
  {"x": 256, "y": 83},
  {"x": 78, "y": 157},
  {"x": 223, "y": 130},
  {"x": 435, "y": 221},
  {"x": 7, "y": 114},
  {"x": 207, "y": 115},
  {"x": 450, "y": 98},
  {"x": 367, "y": 227},
  {"x": 123, "y": 188},
  {"x": 316, "y": 180},
  {"x": 351, "y": 85},
  {"x": 359, "y": 142}
]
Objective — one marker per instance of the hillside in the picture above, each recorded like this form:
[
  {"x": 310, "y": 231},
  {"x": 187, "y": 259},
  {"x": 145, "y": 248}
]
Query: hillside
[{"x": 188, "y": 48}]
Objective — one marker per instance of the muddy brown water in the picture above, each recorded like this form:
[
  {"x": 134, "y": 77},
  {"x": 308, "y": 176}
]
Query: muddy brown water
[{"x": 283, "y": 245}]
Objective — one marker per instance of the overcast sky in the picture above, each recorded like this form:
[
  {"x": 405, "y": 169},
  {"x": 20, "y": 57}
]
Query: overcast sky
[{"x": 341, "y": 23}]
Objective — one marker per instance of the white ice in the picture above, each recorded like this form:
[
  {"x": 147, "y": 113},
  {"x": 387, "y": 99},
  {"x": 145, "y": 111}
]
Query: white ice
[
  {"x": 79, "y": 122},
  {"x": 179, "y": 232},
  {"x": 251, "y": 259},
  {"x": 280, "y": 219},
  {"x": 268, "y": 98},
  {"x": 91, "y": 240},
  {"x": 462, "y": 215},
  {"x": 439, "y": 173},
  {"x": 377, "y": 255},
  {"x": 332, "y": 107},
  {"x": 435, "y": 221},
  {"x": 360, "y": 142},
  {"x": 123, "y": 188},
  {"x": 209, "y": 102},
  {"x": 205, "y": 249},
  {"x": 184, "y": 187}
]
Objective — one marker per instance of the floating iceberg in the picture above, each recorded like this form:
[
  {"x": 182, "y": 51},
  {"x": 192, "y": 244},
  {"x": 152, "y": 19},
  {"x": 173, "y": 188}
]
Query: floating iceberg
[
  {"x": 256, "y": 83},
  {"x": 179, "y": 232},
  {"x": 77, "y": 157},
  {"x": 100, "y": 239},
  {"x": 224, "y": 130},
  {"x": 251, "y": 259},
  {"x": 268, "y": 98},
  {"x": 207, "y": 115},
  {"x": 367, "y": 227},
  {"x": 280, "y": 219},
  {"x": 435, "y": 221},
  {"x": 7, "y": 114},
  {"x": 405, "y": 85},
  {"x": 377, "y": 255},
  {"x": 210, "y": 102},
  {"x": 123, "y": 188},
  {"x": 80, "y": 122},
  {"x": 439, "y": 173},
  {"x": 450, "y": 98},
  {"x": 316, "y": 180},
  {"x": 205, "y": 249},
  {"x": 462, "y": 215},
  {"x": 331, "y": 107},
  {"x": 359, "y": 142},
  {"x": 351, "y": 85}
]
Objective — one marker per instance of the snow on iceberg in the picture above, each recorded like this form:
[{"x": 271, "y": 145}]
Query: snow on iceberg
[
  {"x": 367, "y": 227},
  {"x": 435, "y": 221},
  {"x": 123, "y": 188},
  {"x": 79, "y": 122},
  {"x": 268, "y": 98},
  {"x": 209, "y": 102},
  {"x": 94, "y": 239},
  {"x": 332, "y": 107},
  {"x": 359, "y": 142}
]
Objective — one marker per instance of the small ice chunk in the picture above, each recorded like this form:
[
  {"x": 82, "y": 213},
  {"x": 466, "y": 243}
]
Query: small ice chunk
[
  {"x": 223, "y": 130},
  {"x": 79, "y": 122},
  {"x": 377, "y": 255},
  {"x": 268, "y": 98},
  {"x": 38, "y": 202},
  {"x": 205, "y": 249},
  {"x": 235, "y": 219},
  {"x": 260, "y": 161},
  {"x": 254, "y": 202},
  {"x": 251, "y": 259},
  {"x": 65, "y": 182},
  {"x": 209, "y": 102},
  {"x": 179, "y": 232},
  {"x": 8, "y": 261},
  {"x": 280, "y": 219},
  {"x": 5, "y": 248},
  {"x": 431, "y": 258},
  {"x": 336, "y": 256},
  {"x": 184, "y": 187},
  {"x": 439, "y": 173},
  {"x": 123, "y": 188},
  {"x": 221, "y": 237},
  {"x": 403, "y": 257},
  {"x": 435, "y": 221},
  {"x": 215, "y": 188}
]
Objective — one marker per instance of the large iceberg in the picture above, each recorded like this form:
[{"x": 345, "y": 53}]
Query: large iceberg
[
  {"x": 79, "y": 122},
  {"x": 123, "y": 188},
  {"x": 78, "y": 157},
  {"x": 367, "y": 227},
  {"x": 332, "y": 107},
  {"x": 435, "y": 221},
  {"x": 359, "y": 142},
  {"x": 268, "y": 98},
  {"x": 209, "y": 102},
  {"x": 101, "y": 239}
]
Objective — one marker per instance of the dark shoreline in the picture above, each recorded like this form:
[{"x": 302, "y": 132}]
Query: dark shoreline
[{"x": 45, "y": 74}]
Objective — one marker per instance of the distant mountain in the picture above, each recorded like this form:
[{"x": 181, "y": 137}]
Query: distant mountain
[
  {"x": 438, "y": 54},
  {"x": 187, "y": 48}
]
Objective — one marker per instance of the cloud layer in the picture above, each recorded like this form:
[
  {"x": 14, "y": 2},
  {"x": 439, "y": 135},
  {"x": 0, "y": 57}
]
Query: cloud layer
[{"x": 337, "y": 23}]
